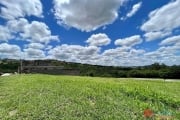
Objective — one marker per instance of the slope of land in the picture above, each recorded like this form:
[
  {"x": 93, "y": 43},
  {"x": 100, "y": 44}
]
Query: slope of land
[
  {"x": 55, "y": 67},
  {"x": 48, "y": 97}
]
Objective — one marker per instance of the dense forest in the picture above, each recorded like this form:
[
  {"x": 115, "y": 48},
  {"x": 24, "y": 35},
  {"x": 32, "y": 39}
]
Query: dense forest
[{"x": 155, "y": 70}]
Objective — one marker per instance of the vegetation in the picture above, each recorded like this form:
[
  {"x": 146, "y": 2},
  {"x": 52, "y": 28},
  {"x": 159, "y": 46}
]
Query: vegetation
[
  {"x": 9, "y": 65},
  {"x": 48, "y": 97},
  {"x": 155, "y": 70}
]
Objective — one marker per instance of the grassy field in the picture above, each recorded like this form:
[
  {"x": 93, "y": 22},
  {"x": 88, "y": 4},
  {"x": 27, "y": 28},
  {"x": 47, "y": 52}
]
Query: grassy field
[{"x": 47, "y": 97}]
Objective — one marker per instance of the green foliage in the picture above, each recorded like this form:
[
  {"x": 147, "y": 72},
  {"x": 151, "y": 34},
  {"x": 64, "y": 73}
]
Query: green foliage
[
  {"x": 155, "y": 70},
  {"x": 9, "y": 66},
  {"x": 151, "y": 96}
]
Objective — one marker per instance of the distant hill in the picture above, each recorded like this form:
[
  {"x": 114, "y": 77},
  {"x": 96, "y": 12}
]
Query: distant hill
[{"x": 155, "y": 70}]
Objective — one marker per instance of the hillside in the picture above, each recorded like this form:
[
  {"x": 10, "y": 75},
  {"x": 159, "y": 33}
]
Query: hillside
[
  {"x": 155, "y": 70},
  {"x": 71, "y": 98}
]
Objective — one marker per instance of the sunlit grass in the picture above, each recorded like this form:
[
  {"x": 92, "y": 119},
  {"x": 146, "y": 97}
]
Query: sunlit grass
[{"x": 47, "y": 97}]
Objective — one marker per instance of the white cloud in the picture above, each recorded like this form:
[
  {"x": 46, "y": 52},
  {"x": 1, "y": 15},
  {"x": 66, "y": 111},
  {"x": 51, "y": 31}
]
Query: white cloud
[
  {"x": 12, "y": 9},
  {"x": 119, "y": 51},
  {"x": 163, "y": 19},
  {"x": 73, "y": 53},
  {"x": 150, "y": 36},
  {"x": 135, "y": 8},
  {"x": 6, "y": 48},
  {"x": 9, "y": 51},
  {"x": 137, "y": 52},
  {"x": 34, "y": 32},
  {"x": 90, "y": 50},
  {"x": 168, "y": 53},
  {"x": 35, "y": 46},
  {"x": 31, "y": 53},
  {"x": 123, "y": 56},
  {"x": 165, "y": 54},
  {"x": 129, "y": 41},
  {"x": 49, "y": 47},
  {"x": 86, "y": 15},
  {"x": 38, "y": 32},
  {"x": 100, "y": 39},
  {"x": 18, "y": 25},
  {"x": 120, "y": 56},
  {"x": 5, "y": 34},
  {"x": 91, "y": 55},
  {"x": 171, "y": 40}
]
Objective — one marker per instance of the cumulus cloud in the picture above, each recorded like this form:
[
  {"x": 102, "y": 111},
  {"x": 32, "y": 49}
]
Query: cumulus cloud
[
  {"x": 150, "y": 36},
  {"x": 123, "y": 56},
  {"x": 6, "y": 48},
  {"x": 35, "y": 46},
  {"x": 120, "y": 56},
  {"x": 5, "y": 34},
  {"x": 90, "y": 55},
  {"x": 84, "y": 14},
  {"x": 17, "y": 25},
  {"x": 38, "y": 32},
  {"x": 9, "y": 51},
  {"x": 119, "y": 51},
  {"x": 34, "y": 51},
  {"x": 135, "y": 8},
  {"x": 168, "y": 53},
  {"x": 137, "y": 52},
  {"x": 69, "y": 52},
  {"x": 100, "y": 39},
  {"x": 129, "y": 41},
  {"x": 34, "y": 32},
  {"x": 163, "y": 19},
  {"x": 48, "y": 47},
  {"x": 74, "y": 53},
  {"x": 31, "y": 53},
  {"x": 171, "y": 40},
  {"x": 162, "y": 53},
  {"x": 12, "y": 9}
]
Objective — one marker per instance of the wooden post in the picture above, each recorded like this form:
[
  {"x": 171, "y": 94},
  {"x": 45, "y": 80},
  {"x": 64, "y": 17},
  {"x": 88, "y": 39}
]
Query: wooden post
[{"x": 21, "y": 66}]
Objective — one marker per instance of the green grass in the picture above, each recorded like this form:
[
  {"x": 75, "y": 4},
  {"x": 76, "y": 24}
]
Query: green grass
[{"x": 48, "y": 97}]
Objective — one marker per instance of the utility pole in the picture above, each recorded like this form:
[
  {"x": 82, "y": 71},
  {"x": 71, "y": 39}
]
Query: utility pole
[{"x": 21, "y": 66}]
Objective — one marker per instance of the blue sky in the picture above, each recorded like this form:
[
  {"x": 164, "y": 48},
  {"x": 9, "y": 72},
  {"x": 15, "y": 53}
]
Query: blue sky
[{"x": 100, "y": 32}]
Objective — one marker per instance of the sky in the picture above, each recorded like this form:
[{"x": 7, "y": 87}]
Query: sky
[{"x": 98, "y": 32}]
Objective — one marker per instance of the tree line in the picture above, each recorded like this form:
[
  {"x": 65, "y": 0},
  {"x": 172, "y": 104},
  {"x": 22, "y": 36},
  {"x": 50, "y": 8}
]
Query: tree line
[{"x": 155, "y": 70}]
